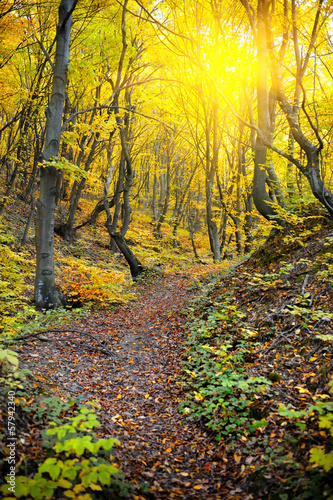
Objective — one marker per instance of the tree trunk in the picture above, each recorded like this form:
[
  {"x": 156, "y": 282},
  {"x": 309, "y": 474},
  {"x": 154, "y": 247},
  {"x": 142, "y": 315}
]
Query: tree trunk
[
  {"x": 161, "y": 219},
  {"x": 46, "y": 295},
  {"x": 67, "y": 230},
  {"x": 213, "y": 233},
  {"x": 211, "y": 169},
  {"x": 135, "y": 265},
  {"x": 262, "y": 200},
  {"x": 31, "y": 215}
]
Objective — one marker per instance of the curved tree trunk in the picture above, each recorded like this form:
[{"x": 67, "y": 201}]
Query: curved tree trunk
[{"x": 262, "y": 200}]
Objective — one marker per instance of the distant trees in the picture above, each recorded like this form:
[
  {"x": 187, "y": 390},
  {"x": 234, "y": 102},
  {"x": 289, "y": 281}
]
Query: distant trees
[{"x": 206, "y": 116}]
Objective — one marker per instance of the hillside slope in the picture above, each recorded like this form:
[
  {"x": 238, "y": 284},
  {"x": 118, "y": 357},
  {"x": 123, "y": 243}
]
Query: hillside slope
[{"x": 259, "y": 366}]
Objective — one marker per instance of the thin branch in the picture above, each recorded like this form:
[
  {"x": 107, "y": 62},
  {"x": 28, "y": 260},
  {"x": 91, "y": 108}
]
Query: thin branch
[
  {"x": 80, "y": 332},
  {"x": 315, "y": 129},
  {"x": 46, "y": 54},
  {"x": 161, "y": 25}
]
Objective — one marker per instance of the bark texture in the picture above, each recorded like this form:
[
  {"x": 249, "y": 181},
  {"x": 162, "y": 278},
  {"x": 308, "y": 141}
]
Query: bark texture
[{"x": 46, "y": 295}]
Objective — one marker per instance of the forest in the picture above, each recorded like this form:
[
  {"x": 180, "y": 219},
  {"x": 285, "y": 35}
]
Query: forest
[{"x": 166, "y": 242}]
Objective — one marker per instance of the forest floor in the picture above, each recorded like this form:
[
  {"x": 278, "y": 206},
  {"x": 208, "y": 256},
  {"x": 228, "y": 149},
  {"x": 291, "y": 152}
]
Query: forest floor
[
  {"x": 136, "y": 386},
  {"x": 216, "y": 380}
]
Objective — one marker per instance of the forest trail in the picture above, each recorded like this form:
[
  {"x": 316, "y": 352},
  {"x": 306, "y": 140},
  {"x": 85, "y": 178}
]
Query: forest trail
[{"x": 137, "y": 390}]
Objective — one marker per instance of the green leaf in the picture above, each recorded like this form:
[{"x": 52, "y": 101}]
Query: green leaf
[
  {"x": 108, "y": 443},
  {"x": 52, "y": 467},
  {"x": 89, "y": 478},
  {"x": 70, "y": 473},
  {"x": 319, "y": 457},
  {"x": 36, "y": 493},
  {"x": 62, "y": 433},
  {"x": 110, "y": 469},
  {"x": 104, "y": 477},
  {"x": 326, "y": 421},
  {"x": 79, "y": 448}
]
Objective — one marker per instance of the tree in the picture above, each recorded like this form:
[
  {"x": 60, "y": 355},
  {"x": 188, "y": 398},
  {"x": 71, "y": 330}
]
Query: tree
[
  {"x": 46, "y": 294},
  {"x": 270, "y": 61}
]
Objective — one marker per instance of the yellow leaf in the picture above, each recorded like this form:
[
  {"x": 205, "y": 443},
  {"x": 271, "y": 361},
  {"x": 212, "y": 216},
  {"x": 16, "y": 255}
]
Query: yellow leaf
[
  {"x": 198, "y": 396},
  {"x": 63, "y": 483},
  {"x": 197, "y": 487},
  {"x": 70, "y": 494},
  {"x": 94, "y": 486},
  {"x": 119, "y": 396},
  {"x": 168, "y": 450},
  {"x": 78, "y": 487},
  {"x": 302, "y": 390},
  {"x": 147, "y": 396}
]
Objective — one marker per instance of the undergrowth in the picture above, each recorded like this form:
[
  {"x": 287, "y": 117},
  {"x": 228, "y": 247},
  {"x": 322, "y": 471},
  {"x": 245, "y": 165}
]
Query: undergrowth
[
  {"x": 69, "y": 459},
  {"x": 258, "y": 367}
]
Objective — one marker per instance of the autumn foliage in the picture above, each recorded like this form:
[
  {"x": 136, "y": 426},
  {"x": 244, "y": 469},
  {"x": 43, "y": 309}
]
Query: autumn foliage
[{"x": 194, "y": 139}]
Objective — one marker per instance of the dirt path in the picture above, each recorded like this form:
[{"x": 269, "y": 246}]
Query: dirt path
[{"x": 137, "y": 389}]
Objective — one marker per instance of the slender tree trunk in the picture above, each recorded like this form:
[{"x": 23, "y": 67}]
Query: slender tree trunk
[
  {"x": 136, "y": 267},
  {"x": 31, "y": 215},
  {"x": 67, "y": 230},
  {"x": 161, "y": 219},
  {"x": 154, "y": 200},
  {"x": 211, "y": 169},
  {"x": 46, "y": 295},
  {"x": 213, "y": 233}
]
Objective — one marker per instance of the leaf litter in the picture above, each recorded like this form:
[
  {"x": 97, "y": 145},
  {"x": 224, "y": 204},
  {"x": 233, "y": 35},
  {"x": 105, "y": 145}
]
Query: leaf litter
[
  {"x": 280, "y": 301},
  {"x": 137, "y": 390}
]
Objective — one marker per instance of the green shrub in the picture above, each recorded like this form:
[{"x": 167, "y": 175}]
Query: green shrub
[{"x": 78, "y": 470}]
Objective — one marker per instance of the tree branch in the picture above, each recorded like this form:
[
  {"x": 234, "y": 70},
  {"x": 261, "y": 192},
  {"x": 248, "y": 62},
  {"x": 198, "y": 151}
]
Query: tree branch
[{"x": 72, "y": 330}]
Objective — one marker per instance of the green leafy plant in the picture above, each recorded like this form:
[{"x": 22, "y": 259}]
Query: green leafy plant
[
  {"x": 11, "y": 375},
  {"x": 68, "y": 168},
  {"x": 218, "y": 390},
  {"x": 318, "y": 456},
  {"x": 48, "y": 407},
  {"x": 72, "y": 472}
]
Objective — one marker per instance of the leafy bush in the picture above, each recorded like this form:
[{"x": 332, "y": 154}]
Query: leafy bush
[
  {"x": 220, "y": 394},
  {"x": 218, "y": 390},
  {"x": 82, "y": 283},
  {"x": 79, "y": 469},
  {"x": 10, "y": 374},
  {"x": 15, "y": 268},
  {"x": 318, "y": 456}
]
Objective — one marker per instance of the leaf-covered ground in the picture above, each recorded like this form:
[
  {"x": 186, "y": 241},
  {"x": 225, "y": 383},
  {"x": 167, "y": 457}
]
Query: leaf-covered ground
[
  {"x": 239, "y": 353},
  {"x": 135, "y": 382}
]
